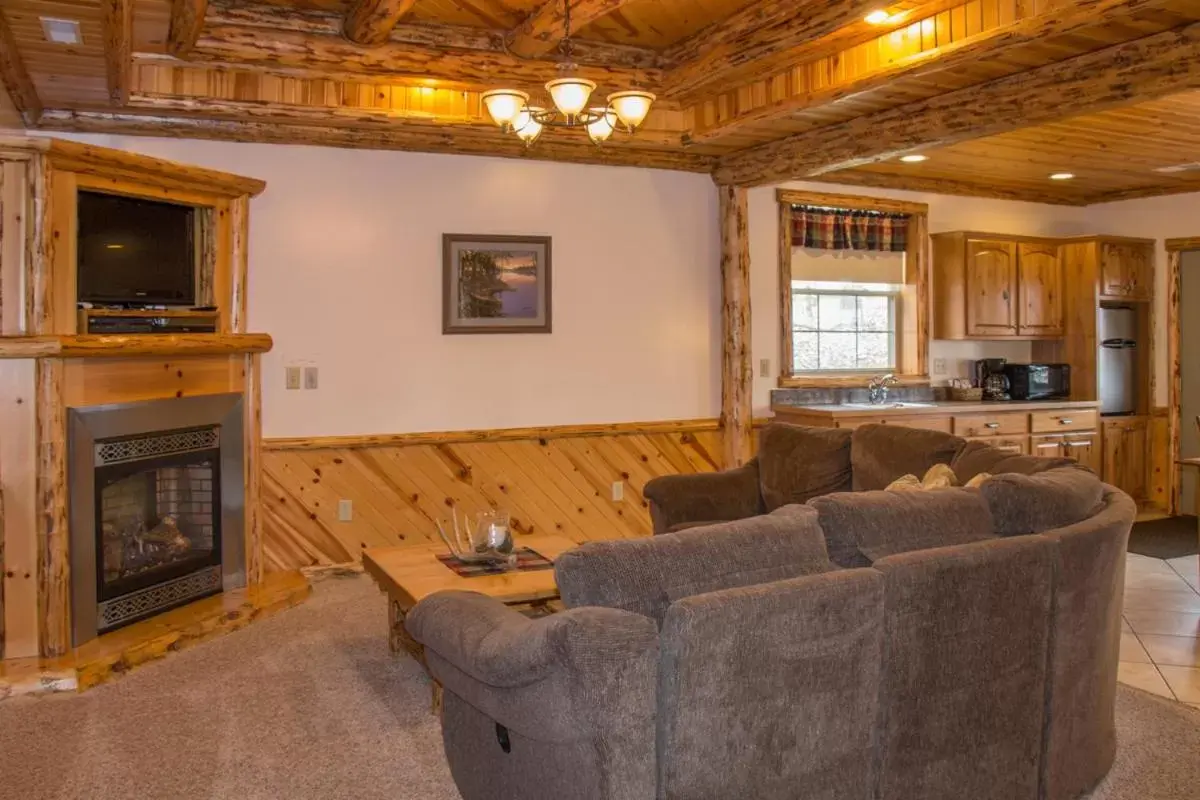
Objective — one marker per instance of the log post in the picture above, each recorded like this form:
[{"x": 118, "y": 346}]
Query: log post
[{"x": 737, "y": 382}]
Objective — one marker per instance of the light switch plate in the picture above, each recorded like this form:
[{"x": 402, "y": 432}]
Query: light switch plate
[
  {"x": 764, "y": 368},
  {"x": 618, "y": 491},
  {"x": 345, "y": 510},
  {"x": 310, "y": 377},
  {"x": 939, "y": 366},
  {"x": 292, "y": 377}
]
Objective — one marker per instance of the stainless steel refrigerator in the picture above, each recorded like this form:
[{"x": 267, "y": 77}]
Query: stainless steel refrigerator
[{"x": 1118, "y": 360}]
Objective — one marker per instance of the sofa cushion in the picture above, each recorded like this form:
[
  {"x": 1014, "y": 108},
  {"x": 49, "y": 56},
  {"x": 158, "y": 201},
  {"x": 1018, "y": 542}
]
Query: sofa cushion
[
  {"x": 1023, "y": 504},
  {"x": 646, "y": 575},
  {"x": 861, "y": 527},
  {"x": 796, "y": 463},
  {"x": 881, "y": 453},
  {"x": 977, "y": 457}
]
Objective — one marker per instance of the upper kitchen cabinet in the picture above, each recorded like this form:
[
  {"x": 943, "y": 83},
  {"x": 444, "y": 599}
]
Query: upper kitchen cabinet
[
  {"x": 996, "y": 287},
  {"x": 1126, "y": 269}
]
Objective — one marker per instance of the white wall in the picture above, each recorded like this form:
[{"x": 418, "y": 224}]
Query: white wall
[
  {"x": 945, "y": 214},
  {"x": 346, "y": 272},
  {"x": 1167, "y": 217}
]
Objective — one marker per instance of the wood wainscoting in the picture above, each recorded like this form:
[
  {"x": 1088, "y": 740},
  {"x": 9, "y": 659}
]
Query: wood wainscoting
[{"x": 551, "y": 480}]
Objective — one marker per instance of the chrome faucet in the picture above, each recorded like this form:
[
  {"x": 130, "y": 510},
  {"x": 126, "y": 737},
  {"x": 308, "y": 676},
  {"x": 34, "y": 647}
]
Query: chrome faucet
[{"x": 877, "y": 389}]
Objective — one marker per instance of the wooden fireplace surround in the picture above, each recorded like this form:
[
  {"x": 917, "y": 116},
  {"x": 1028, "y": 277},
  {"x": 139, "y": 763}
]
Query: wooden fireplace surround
[{"x": 47, "y": 366}]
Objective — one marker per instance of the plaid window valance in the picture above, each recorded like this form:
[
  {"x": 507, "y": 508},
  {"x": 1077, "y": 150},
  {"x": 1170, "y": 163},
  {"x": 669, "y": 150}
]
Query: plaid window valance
[{"x": 845, "y": 229}]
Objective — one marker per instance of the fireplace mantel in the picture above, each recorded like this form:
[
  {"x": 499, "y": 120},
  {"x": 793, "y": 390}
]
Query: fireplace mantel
[
  {"x": 130, "y": 345},
  {"x": 49, "y": 366}
]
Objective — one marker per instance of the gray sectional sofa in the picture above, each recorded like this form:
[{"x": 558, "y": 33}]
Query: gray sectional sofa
[{"x": 819, "y": 638}]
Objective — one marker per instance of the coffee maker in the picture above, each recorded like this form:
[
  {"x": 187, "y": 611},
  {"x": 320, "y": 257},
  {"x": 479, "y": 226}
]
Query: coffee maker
[{"x": 989, "y": 376}]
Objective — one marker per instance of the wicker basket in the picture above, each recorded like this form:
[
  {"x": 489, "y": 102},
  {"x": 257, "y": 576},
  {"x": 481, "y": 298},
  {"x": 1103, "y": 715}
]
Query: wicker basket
[{"x": 974, "y": 394}]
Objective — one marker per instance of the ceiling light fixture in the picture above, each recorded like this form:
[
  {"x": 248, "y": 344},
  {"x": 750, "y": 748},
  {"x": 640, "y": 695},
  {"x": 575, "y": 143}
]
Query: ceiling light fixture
[
  {"x": 60, "y": 31},
  {"x": 915, "y": 158},
  {"x": 569, "y": 94},
  {"x": 1062, "y": 176},
  {"x": 877, "y": 17}
]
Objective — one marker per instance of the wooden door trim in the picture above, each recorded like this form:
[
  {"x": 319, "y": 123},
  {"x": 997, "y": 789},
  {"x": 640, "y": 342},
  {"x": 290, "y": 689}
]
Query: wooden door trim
[{"x": 1175, "y": 249}]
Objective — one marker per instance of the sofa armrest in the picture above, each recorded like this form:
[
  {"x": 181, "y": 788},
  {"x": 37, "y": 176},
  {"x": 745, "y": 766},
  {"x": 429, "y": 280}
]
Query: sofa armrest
[{"x": 704, "y": 497}]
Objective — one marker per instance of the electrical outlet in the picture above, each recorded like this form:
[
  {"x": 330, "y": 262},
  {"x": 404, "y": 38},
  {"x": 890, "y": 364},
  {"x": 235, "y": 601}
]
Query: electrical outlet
[
  {"x": 292, "y": 377},
  {"x": 345, "y": 510},
  {"x": 618, "y": 491},
  {"x": 939, "y": 366},
  {"x": 764, "y": 368},
  {"x": 310, "y": 377}
]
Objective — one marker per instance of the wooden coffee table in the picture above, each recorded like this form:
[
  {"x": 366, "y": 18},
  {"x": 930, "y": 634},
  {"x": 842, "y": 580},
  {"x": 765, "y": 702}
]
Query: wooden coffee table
[{"x": 409, "y": 574}]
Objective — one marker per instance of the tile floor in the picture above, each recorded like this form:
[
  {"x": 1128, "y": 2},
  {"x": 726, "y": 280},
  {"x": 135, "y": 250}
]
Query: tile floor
[{"x": 1160, "y": 644}]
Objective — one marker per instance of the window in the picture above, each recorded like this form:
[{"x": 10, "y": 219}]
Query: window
[{"x": 844, "y": 326}]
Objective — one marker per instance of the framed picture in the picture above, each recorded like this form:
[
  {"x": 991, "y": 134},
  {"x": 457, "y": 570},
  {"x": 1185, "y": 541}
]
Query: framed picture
[{"x": 495, "y": 284}]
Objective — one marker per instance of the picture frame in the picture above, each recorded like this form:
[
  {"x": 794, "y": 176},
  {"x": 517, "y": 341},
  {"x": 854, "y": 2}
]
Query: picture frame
[{"x": 496, "y": 284}]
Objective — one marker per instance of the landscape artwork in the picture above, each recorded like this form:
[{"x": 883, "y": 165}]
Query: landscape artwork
[{"x": 495, "y": 284}]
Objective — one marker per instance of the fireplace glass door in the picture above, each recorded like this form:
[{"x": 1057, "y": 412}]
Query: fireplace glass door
[{"x": 158, "y": 523}]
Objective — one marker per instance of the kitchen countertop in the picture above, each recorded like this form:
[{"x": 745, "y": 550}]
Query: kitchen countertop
[{"x": 939, "y": 407}]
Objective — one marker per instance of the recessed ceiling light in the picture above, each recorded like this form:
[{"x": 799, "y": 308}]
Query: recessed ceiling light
[
  {"x": 1062, "y": 176},
  {"x": 878, "y": 17},
  {"x": 61, "y": 31},
  {"x": 915, "y": 158}
]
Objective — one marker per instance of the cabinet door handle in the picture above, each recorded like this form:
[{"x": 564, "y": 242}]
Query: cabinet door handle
[
  {"x": 1065, "y": 421},
  {"x": 991, "y": 425},
  {"x": 1004, "y": 295}
]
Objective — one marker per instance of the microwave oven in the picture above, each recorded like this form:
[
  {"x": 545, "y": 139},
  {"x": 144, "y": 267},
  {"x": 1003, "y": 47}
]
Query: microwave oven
[{"x": 1038, "y": 381}]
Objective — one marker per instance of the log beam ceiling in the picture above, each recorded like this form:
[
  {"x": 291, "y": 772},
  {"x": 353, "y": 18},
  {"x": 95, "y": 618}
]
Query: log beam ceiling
[
  {"x": 116, "y": 22},
  {"x": 370, "y": 22},
  {"x": 187, "y": 18},
  {"x": 543, "y": 29},
  {"x": 1142, "y": 69},
  {"x": 16, "y": 78}
]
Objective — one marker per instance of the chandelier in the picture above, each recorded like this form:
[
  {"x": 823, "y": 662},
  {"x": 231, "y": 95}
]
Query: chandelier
[{"x": 510, "y": 109}]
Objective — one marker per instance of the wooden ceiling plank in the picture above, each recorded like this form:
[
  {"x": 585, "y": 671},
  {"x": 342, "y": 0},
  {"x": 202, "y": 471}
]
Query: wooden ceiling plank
[
  {"x": 997, "y": 44},
  {"x": 16, "y": 78},
  {"x": 470, "y": 142},
  {"x": 117, "y": 26},
  {"x": 542, "y": 30},
  {"x": 948, "y": 186},
  {"x": 187, "y": 18},
  {"x": 370, "y": 22},
  {"x": 251, "y": 46},
  {"x": 1143, "y": 69}
]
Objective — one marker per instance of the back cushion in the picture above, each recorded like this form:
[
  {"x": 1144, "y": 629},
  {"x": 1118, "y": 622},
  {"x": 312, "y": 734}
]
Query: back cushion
[
  {"x": 881, "y": 453},
  {"x": 862, "y": 527},
  {"x": 1022, "y": 504},
  {"x": 978, "y": 457},
  {"x": 646, "y": 575},
  {"x": 796, "y": 463}
]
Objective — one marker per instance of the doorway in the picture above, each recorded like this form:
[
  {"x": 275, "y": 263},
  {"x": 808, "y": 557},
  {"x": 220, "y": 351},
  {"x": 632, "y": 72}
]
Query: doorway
[{"x": 1189, "y": 374}]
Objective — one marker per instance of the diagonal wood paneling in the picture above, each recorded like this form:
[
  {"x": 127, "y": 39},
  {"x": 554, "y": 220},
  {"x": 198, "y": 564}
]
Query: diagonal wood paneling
[{"x": 549, "y": 483}]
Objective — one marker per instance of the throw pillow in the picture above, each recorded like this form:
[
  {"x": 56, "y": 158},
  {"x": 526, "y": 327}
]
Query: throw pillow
[
  {"x": 881, "y": 453},
  {"x": 797, "y": 463},
  {"x": 978, "y": 480},
  {"x": 905, "y": 483},
  {"x": 939, "y": 476},
  {"x": 1024, "y": 504},
  {"x": 861, "y": 527}
]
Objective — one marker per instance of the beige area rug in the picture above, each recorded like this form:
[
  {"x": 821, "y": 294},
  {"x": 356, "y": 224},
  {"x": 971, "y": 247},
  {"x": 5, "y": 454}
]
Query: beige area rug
[{"x": 310, "y": 704}]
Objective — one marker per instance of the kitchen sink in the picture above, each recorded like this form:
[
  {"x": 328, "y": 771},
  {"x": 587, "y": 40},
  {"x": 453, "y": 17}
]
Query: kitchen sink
[{"x": 872, "y": 406}]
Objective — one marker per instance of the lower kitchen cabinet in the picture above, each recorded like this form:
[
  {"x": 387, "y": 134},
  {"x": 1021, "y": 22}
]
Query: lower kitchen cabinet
[{"x": 1124, "y": 466}]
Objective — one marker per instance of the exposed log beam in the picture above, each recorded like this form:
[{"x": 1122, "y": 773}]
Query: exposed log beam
[
  {"x": 737, "y": 378},
  {"x": 370, "y": 22},
  {"x": 543, "y": 29},
  {"x": 462, "y": 140},
  {"x": 117, "y": 25},
  {"x": 452, "y": 37},
  {"x": 187, "y": 18},
  {"x": 311, "y": 52},
  {"x": 1139, "y": 70},
  {"x": 996, "y": 45},
  {"x": 758, "y": 40},
  {"x": 16, "y": 78}
]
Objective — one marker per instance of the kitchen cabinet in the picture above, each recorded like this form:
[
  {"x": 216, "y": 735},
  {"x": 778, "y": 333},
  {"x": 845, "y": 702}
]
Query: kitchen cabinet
[
  {"x": 1124, "y": 462},
  {"x": 1083, "y": 446},
  {"x": 1126, "y": 270},
  {"x": 996, "y": 287}
]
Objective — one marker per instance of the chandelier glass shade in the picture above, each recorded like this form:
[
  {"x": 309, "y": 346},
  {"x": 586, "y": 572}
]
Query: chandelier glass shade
[{"x": 569, "y": 93}]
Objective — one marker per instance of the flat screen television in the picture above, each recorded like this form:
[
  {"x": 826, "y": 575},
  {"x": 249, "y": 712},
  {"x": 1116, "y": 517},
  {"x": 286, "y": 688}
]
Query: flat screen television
[{"x": 134, "y": 252}]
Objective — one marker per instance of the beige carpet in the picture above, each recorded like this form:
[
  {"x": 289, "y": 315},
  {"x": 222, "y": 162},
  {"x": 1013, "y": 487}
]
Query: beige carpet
[{"x": 310, "y": 704}]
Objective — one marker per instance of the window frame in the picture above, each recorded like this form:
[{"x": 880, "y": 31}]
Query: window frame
[
  {"x": 895, "y": 312},
  {"x": 912, "y": 337}
]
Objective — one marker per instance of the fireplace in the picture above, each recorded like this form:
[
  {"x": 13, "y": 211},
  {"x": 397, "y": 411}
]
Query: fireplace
[{"x": 156, "y": 494}]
